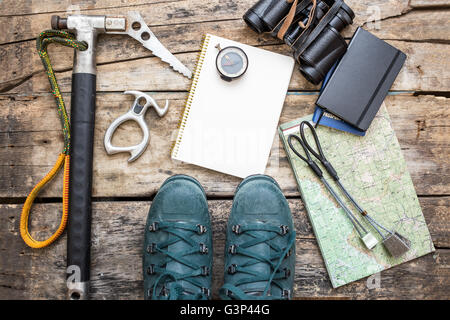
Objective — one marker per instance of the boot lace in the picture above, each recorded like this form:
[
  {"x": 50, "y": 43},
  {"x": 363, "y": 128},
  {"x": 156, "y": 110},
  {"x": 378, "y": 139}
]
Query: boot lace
[
  {"x": 168, "y": 282},
  {"x": 259, "y": 233}
]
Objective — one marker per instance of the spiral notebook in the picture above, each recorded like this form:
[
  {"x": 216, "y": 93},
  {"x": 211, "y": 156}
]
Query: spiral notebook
[{"x": 230, "y": 126}]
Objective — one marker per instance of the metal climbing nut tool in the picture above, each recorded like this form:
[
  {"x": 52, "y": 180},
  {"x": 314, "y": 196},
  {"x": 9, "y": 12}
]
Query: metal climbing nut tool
[{"x": 136, "y": 113}]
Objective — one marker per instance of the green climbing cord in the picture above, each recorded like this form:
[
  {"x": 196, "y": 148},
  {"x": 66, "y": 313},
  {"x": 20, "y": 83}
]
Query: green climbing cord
[
  {"x": 66, "y": 39},
  {"x": 42, "y": 42}
]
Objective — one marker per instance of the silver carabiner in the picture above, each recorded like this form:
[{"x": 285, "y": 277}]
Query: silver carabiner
[{"x": 136, "y": 113}]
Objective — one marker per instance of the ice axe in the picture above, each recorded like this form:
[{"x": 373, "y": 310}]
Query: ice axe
[{"x": 87, "y": 28}]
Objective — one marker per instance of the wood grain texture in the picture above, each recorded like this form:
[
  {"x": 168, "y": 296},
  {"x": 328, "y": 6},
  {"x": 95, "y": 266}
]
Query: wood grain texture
[
  {"x": 429, "y": 3},
  {"x": 30, "y": 140},
  {"x": 22, "y": 20},
  {"x": 23, "y": 25},
  {"x": 426, "y": 69},
  {"x": 116, "y": 256},
  {"x": 28, "y": 7},
  {"x": 414, "y": 26},
  {"x": 396, "y": 22},
  {"x": 12, "y": 7}
]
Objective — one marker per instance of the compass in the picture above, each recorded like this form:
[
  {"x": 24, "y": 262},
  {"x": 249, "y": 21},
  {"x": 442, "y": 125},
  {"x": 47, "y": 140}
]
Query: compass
[{"x": 231, "y": 62}]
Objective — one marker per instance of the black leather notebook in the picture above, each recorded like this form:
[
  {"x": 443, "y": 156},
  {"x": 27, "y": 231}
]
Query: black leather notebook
[{"x": 362, "y": 79}]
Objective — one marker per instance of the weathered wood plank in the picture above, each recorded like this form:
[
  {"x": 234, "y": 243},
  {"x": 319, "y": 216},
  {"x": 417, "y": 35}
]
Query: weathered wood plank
[
  {"x": 13, "y": 7},
  {"x": 437, "y": 217},
  {"x": 116, "y": 256},
  {"x": 417, "y": 26},
  {"x": 30, "y": 140},
  {"x": 429, "y": 3},
  {"x": 426, "y": 69},
  {"x": 25, "y": 26}
]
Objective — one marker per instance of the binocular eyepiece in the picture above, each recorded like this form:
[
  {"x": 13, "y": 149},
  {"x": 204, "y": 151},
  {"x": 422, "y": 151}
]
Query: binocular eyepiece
[{"x": 312, "y": 30}]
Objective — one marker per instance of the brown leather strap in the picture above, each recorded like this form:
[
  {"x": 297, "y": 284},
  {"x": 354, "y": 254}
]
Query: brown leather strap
[
  {"x": 291, "y": 15},
  {"x": 300, "y": 7},
  {"x": 312, "y": 13},
  {"x": 307, "y": 37},
  {"x": 287, "y": 22}
]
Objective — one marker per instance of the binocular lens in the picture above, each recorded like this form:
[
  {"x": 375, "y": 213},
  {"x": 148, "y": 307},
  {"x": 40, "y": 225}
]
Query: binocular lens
[
  {"x": 343, "y": 18},
  {"x": 254, "y": 22},
  {"x": 265, "y": 14}
]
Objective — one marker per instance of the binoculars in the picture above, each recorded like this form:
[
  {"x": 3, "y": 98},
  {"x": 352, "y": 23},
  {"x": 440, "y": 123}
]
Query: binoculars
[{"x": 310, "y": 27}]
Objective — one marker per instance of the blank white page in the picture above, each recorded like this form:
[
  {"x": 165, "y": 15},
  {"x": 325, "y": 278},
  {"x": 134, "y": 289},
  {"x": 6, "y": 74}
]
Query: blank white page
[{"x": 230, "y": 126}]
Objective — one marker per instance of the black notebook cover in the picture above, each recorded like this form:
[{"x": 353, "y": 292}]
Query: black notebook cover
[{"x": 362, "y": 79}]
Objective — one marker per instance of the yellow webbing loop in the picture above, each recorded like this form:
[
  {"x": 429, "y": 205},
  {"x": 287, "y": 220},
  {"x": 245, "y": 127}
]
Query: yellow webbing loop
[
  {"x": 63, "y": 159},
  {"x": 44, "y": 39}
]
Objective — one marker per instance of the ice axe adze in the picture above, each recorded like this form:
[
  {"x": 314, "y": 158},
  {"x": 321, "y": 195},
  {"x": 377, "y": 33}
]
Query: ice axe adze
[{"x": 87, "y": 28}]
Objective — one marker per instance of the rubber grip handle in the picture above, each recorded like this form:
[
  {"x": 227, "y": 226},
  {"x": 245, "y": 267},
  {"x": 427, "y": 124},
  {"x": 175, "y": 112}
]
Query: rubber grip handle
[
  {"x": 330, "y": 170},
  {"x": 80, "y": 178},
  {"x": 315, "y": 168}
]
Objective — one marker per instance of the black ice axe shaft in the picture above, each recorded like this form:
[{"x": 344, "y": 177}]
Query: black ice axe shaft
[{"x": 82, "y": 115}]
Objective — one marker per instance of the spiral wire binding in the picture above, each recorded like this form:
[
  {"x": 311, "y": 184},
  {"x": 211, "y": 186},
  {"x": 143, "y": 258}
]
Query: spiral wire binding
[{"x": 187, "y": 106}]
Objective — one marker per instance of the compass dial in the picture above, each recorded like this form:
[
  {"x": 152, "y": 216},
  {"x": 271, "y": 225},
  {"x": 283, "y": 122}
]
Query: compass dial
[{"x": 231, "y": 62}]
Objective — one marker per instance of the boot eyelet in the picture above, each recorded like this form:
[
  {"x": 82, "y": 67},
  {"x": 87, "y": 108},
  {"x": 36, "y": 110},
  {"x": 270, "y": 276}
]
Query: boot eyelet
[
  {"x": 153, "y": 227},
  {"x": 151, "y": 248},
  {"x": 203, "y": 248},
  {"x": 201, "y": 229},
  {"x": 288, "y": 254},
  {"x": 228, "y": 293},
  {"x": 284, "y": 229},
  {"x": 164, "y": 292},
  {"x": 232, "y": 249},
  {"x": 232, "y": 269},
  {"x": 205, "y": 271},
  {"x": 286, "y": 294},
  {"x": 287, "y": 273},
  {"x": 151, "y": 269},
  {"x": 236, "y": 229},
  {"x": 206, "y": 291}
]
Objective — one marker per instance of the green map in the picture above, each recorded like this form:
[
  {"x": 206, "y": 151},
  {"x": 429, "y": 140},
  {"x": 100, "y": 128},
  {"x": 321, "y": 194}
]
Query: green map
[{"x": 373, "y": 170}]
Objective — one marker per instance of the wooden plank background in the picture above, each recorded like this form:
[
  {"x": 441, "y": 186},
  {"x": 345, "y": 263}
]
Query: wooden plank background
[{"x": 30, "y": 140}]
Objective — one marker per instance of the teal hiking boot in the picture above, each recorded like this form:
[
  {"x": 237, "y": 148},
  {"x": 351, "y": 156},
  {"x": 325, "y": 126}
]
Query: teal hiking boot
[
  {"x": 177, "y": 258},
  {"x": 260, "y": 246}
]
